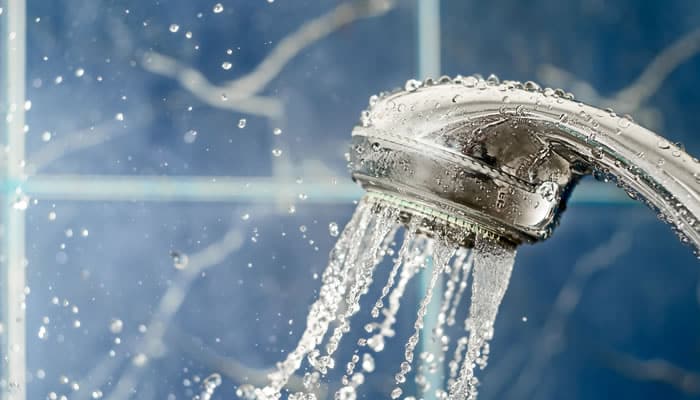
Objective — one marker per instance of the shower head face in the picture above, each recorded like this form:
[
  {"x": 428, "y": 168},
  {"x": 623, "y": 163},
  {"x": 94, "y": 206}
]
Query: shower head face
[{"x": 442, "y": 153}]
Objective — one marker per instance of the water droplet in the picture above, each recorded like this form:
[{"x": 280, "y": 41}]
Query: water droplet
[
  {"x": 180, "y": 260},
  {"x": 277, "y": 131},
  {"x": 226, "y": 65},
  {"x": 246, "y": 392},
  {"x": 456, "y": 98},
  {"x": 368, "y": 362},
  {"x": 624, "y": 121},
  {"x": 242, "y": 123},
  {"x": 245, "y": 217},
  {"x": 597, "y": 152},
  {"x": 548, "y": 190},
  {"x": 42, "y": 334},
  {"x": 373, "y": 100},
  {"x": 346, "y": 393},
  {"x": 470, "y": 81},
  {"x": 116, "y": 326},
  {"x": 276, "y": 152},
  {"x": 97, "y": 394},
  {"x": 190, "y": 136},
  {"x": 84, "y": 232},
  {"x": 333, "y": 229},
  {"x": 396, "y": 393},
  {"x": 21, "y": 202},
  {"x": 139, "y": 360},
  {"x": 119, "y": 116},
  {"x": 531, "y": 86},
  {"x": 218, "y": 8},
  {"x": 311, "y": 380},
  {"x": 210, "y": 383},
  {"x": 412, "y": 85},
  {"x": 365, "y": 118},
  {"x": 291, "y": 209},
  {"x": 79, "y": 72},
  {"x": 174, "y": 28}
]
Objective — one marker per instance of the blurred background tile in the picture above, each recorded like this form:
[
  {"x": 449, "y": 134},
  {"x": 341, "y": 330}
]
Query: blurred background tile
[{"x": 202, "y": 251}]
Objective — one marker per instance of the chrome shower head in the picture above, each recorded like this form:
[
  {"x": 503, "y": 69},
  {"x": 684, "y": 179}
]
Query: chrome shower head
[{"x": 500, "y": 158}]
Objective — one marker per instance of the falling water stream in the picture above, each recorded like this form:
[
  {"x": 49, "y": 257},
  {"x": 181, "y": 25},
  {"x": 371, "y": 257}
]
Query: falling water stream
[{"x": 364, "y": 243}]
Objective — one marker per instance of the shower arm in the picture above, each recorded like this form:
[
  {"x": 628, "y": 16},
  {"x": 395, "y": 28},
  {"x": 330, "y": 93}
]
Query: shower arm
[{"x": 501, "y": 158}]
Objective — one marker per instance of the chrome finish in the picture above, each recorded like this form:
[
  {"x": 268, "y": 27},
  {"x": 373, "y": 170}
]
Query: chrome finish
[{"x": 504, "y": 156}]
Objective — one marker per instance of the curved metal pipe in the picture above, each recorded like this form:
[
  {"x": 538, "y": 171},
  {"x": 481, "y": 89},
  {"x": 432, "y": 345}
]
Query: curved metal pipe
[{"x": 501, "y": 158}]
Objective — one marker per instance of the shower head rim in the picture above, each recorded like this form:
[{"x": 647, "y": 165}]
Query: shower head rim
[{"x": 584, "y": 139}]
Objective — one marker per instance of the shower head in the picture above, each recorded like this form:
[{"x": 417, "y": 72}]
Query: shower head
[
  {"x": 500, "y": 159},
  {"x": 439, "y": 151}
]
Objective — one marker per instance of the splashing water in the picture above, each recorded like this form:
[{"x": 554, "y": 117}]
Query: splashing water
[
  {"x": 492, "y": 268},
  {"x": 360, "y": 248},
  {"x": 209, "y": 385}
]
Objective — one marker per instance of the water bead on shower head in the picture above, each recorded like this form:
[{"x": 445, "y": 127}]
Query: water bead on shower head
[{"x": 499, "y": 158}]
